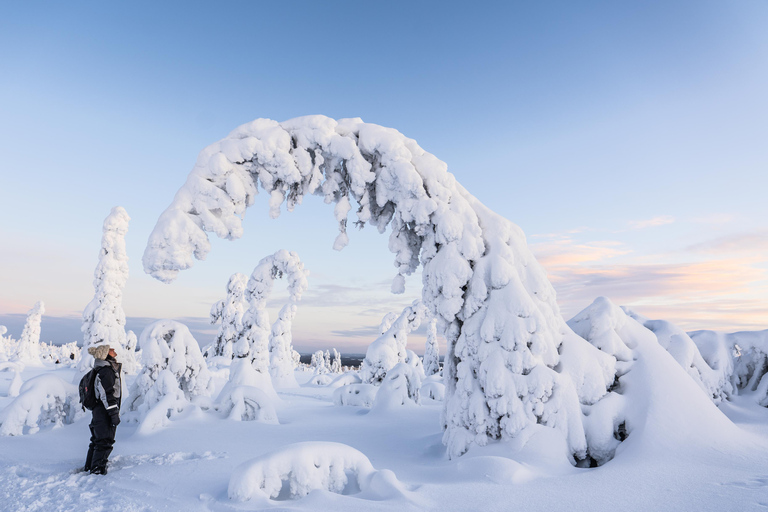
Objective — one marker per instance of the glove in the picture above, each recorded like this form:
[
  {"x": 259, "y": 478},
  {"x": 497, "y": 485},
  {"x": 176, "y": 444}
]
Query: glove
[{"x": 114, "y": 416}]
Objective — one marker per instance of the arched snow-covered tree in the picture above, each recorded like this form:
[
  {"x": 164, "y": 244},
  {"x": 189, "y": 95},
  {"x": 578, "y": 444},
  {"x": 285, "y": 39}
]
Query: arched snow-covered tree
[
  {"x": 229, "y": 312},
  {"x": 103, "y": 317},
  {"x": 28, "y": 347},
  {"x": 431, "y": 350},
  {"x": 492, "y": 299},
  {"x": 270, "y": 346}
]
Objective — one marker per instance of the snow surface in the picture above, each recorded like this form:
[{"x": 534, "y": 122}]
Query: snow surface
[{"x": 190, "y": 463}]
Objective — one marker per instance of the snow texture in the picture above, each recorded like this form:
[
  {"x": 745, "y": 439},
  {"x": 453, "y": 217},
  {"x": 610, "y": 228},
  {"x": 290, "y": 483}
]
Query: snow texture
[
  {"x": 307, "y": 467},
  {"x": 103, "y": 317},
  {"x": 389, "y": 348},
  {"x": 491, "y": 298},
  {"x": 42, "y": 400},
  {"x": 229, "y": 313},
  {"x": 28, "y": 346}
]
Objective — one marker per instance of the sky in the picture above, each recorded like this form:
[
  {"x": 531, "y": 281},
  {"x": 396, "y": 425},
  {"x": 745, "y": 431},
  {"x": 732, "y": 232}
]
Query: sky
[{"x": 626, "y": 139}]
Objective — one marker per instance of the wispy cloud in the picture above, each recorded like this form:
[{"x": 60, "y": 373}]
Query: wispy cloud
[
  {"x": 659, "y": 220},
  {"x": 718, "y": 284}
]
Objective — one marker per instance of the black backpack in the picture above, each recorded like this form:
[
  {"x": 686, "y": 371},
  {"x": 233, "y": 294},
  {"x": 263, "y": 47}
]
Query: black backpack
[{"x": 87, "y": 393}]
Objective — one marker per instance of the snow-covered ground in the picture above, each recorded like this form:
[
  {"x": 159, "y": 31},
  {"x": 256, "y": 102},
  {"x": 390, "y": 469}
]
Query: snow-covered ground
[{"x": 188, "y": 464}]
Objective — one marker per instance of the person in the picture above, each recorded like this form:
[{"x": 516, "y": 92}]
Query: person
[{"x": 106, "y": 413}]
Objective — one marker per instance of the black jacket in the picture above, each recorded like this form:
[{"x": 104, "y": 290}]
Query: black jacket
[{"x": 107, "y": 384}]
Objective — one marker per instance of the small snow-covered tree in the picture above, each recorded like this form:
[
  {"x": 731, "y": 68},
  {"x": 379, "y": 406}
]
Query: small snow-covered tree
[
  {"x": 7, "y": 345},
  {"x": 229, "y": 312},
  {"x": 336, "y": 364},
  {"x": 317, "y": 363},
  {"x": 103, "y": 317},
  {"x": 170, "y": 354},
  {"x": 400, "y": 387},
  {"x": 431, "y": 350},
  {"x": 390, "y": 348},
  {"x": 28, "y": 347},
  {"x": 281, "y": 350}
]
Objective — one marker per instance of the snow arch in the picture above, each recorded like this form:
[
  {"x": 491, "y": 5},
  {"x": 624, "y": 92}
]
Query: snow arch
[{"x": 492, "y": 299}]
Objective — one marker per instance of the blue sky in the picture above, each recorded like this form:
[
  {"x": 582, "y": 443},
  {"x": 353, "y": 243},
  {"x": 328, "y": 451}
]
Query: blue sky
[{"x": 627, "y": 139}]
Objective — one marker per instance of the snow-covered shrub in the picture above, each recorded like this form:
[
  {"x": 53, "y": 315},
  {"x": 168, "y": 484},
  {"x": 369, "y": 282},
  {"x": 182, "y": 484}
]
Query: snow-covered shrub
[
  {"x": 173, "y": 367},
  {"x": 309, "y": 466},
  {"x": 103, "y": 317},
  {"x": 242, "y": 373},
  {"x": 42, "y": 400},
  {"x": 344, "y": 379},
  {"x": 229, "y": 312},
  {"x": 247, "y": 403},
  {"x": 431, "y": 350},
  {"x": 751, "y": 363},
  {"x": 400, "y": 387},
  {"x": 492, "y": 300},
  {"x": 687, "y": 354},
  {"x": 413, "y": 360},
  {"x": 67, "y": 354},
  {"x": 432, "y": 390},
  {"x": 317, "y": 363},
  {"x": 355, "y": 395},
  {"x": 322, "y": 379},
  {"x": 28, "y": 346},
  {"x": 389, "y": 348}
]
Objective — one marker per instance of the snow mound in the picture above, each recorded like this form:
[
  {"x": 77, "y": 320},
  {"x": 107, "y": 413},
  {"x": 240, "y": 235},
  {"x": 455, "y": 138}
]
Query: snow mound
[
  {"x": 687, "y": 354},
  {"x": 654, "y": 403},
  {"x": 42, "y": 400},
  {"x": 355, "y": 395},
  {"x": 304, "y": 467},
  {"x": 321, "y": 380}
]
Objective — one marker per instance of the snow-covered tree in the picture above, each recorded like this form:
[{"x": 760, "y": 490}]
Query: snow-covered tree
[
  {"x": 389, "y": 348},
  {"x": 172, "y": 366},
  {"x": 28, "y": 347},
  {"x": 103, "y": 317},
  {"x": 491, "y": 298},
  {"x": 336, "y": 364},
  {"x": 7, "y": 345},
  {"x": 281, "y": 348},
  {"x": 317, "y": 363},
  {"x": 229, "y": 312},
  {"x": 431, "y": 350},
  {"x": 400, "y": 387}
]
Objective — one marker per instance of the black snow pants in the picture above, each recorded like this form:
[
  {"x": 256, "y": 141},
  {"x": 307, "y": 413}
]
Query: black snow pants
[{"x": 102, "y": 439}]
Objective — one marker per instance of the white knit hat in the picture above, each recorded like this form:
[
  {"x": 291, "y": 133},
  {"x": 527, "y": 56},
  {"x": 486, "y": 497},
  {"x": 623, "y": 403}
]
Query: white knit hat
[{"x": 100, "y": 351}]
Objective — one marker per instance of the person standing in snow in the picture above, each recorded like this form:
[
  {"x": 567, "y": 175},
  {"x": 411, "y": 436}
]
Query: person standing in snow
[{"x": 106, "y": 413}]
